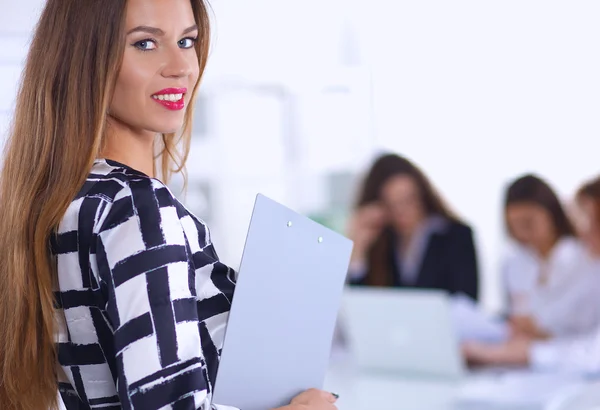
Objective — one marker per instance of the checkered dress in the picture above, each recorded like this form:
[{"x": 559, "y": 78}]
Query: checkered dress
[{"x": 142, "y": 298}]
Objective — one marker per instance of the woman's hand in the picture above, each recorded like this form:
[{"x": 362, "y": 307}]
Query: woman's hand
[
  {"x": 312, "y": 399},
  {"x": 513, "y": 352},
  {"x": 364, "y": 227},
  {"x": 525, "y": 327}
]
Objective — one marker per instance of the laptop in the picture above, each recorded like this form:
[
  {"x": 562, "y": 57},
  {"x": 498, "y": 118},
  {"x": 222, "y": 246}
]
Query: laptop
[
  {"x": 402, "y": 331},
  {"x": 280, "y": 328}
]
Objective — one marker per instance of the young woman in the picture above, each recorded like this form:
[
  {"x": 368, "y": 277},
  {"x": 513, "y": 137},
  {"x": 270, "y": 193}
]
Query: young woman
[
  {"x": 405, "y": 236},
  {"x": 575, "y": 353},
  {"x": 102, "y": 271},
  {"x": 544, "y": 262}
]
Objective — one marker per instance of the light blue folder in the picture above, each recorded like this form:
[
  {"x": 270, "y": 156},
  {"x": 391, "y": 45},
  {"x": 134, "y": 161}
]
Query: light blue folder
[{"x": 284, "y": 310}]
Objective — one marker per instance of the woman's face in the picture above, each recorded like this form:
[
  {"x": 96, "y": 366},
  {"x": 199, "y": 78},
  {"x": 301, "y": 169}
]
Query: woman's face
[
  {"x": 531, "y": 225},
  {"x": 587, "y": 223},
  {"x": 160, "y": 66},
  {"x": 401, "y": 199}
]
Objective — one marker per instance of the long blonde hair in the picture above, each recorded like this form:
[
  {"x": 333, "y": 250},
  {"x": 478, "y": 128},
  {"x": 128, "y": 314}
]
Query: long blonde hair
[{"x": 57, "y": 133}]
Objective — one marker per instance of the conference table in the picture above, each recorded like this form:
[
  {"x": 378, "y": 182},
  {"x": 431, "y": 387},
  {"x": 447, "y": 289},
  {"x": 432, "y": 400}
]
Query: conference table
[{"x": 485, "y": 389}]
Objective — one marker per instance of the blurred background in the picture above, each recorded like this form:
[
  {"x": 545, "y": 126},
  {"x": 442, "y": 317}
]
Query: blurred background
[{"x": 298, "y": 97}]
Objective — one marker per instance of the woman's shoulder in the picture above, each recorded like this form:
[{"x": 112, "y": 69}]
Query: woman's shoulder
[
  {"x": 456, "y": 228},
  {"x": 110, "y": 180},
  {"x": 113, "y": 191},
  {"x": 570, "y": 246},
  {"x": 114, "y": 194}
]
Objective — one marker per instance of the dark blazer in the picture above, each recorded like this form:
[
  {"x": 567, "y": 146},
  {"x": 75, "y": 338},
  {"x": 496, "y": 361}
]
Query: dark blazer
[{"x": 449, "y": 262}]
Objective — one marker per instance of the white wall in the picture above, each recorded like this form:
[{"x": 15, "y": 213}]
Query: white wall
[
  {"x": 289, "y": 102},
  {"x": 477, "y": 92},
  {"x": 16, "y": 23}
]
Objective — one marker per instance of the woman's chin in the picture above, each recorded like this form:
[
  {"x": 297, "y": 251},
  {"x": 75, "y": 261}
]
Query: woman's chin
[
  {"x": 170, "y": 131},
  {"x": 173, "y": 129}
]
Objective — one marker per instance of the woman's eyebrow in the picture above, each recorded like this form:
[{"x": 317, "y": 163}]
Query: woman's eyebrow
[
  {"x": 158, "y": 32},
  {"x": 190, "y": 29},
  {"x": 147, "y": 29}
]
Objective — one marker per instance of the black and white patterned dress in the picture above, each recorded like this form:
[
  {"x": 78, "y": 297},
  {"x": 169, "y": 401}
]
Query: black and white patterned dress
[{"x": 142, "y": 298}]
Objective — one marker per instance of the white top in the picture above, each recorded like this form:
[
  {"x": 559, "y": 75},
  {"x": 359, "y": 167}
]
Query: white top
[
  {"x": 565, "y": 302},
  {"x": 580, "y": 353}
]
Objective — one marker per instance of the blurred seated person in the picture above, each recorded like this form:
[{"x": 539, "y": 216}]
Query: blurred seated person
[
  {"x": 544, "y": 262},
  {"x": 567, "y": 353},
  {"x": 405, "y": 236}
]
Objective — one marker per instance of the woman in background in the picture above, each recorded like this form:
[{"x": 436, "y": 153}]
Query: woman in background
[
  {"x": 543, "y": 262},
  {"x": 405, "y": 236},
  {"x": 580, "y": 353}
]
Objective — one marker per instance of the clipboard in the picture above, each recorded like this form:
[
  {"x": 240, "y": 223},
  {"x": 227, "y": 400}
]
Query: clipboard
[{"x": 288, "y": 294}]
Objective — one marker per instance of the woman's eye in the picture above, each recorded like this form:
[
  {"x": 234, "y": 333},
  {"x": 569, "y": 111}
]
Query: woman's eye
[
  {"x": 187, "y": 42},
  {"x": 145, "y": 45}
]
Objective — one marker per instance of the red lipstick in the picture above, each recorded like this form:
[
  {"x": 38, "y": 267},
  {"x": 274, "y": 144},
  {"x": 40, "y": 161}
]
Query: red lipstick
[{"x": 171, "y": 98}]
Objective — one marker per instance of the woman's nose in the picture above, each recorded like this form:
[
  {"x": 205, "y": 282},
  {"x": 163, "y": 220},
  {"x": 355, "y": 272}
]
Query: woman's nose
[{"x": 177, "y": 64}]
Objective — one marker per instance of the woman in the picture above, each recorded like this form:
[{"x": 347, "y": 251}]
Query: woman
[
  {"x": 88, "y": 229},
  {"x": 543, "y": 262},
  {"x": 405, "y": 236},
  {"x": 580, "y": 353}
]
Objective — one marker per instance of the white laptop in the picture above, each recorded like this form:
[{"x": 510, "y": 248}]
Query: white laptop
[
  {"x": 289, "y": 289},
  {"x": 401, "y": 331}
]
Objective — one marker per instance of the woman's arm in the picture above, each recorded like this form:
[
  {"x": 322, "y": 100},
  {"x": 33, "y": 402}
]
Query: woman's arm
[
  {"x": 357, "y": 271},
  {"x": 465, "y": 269},
  {"x": 364, "y": 227},
  {"x": 526, "y": 326},
  {"x": 579, "y": 355},
  {"x": 164, "y": 352}
]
